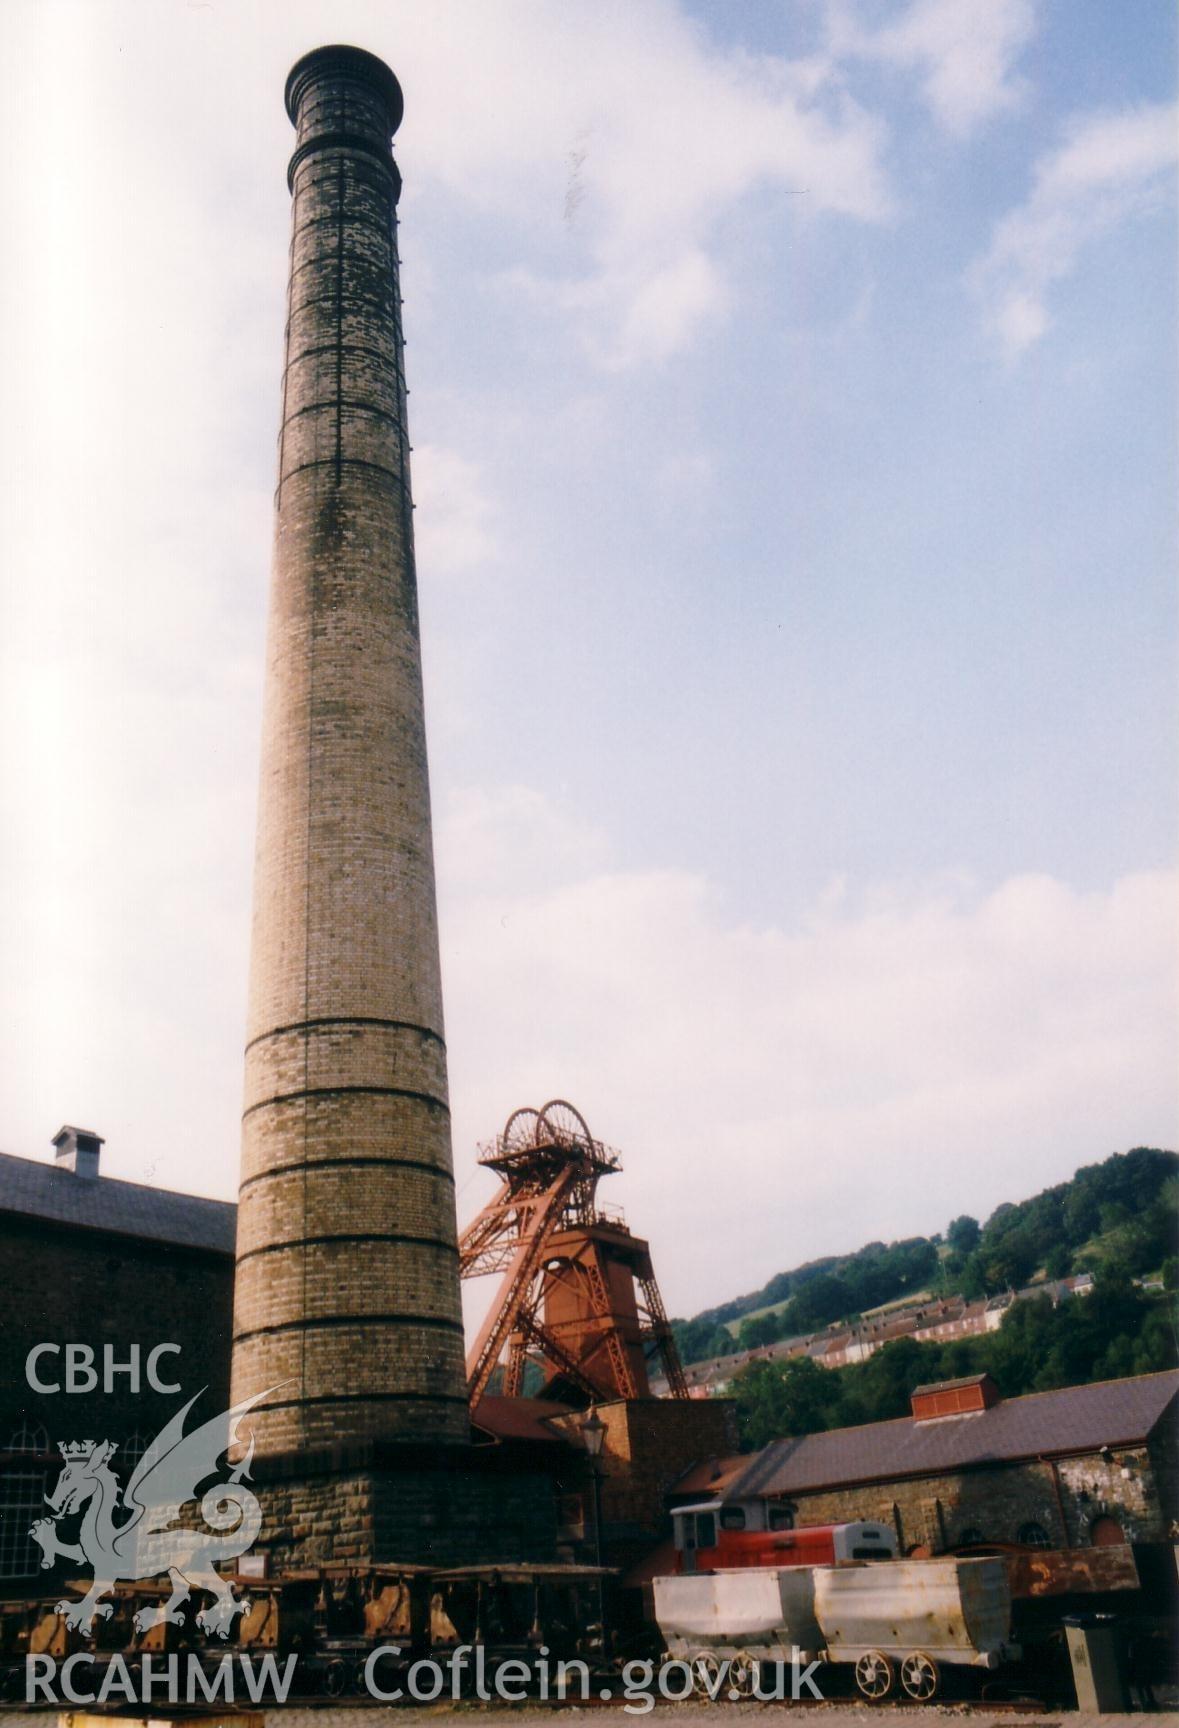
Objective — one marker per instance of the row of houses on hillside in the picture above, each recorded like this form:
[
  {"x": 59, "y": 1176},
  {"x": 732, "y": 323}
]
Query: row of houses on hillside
[{"x": 937, "y": 1322}]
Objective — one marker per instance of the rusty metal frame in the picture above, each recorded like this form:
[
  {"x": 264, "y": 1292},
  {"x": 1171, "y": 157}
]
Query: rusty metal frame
[{"x": 549, "y": 1167}]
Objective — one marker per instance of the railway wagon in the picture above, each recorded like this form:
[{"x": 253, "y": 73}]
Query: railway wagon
[
  {"x": 756, "y": 1612},
  {"x": 910, "y": 1618},
  {"x": 890, "y": 1625}
]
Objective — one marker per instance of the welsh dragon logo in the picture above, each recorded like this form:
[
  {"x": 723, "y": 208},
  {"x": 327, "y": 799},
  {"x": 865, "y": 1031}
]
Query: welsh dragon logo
[{"x": 135, "y": 1534}]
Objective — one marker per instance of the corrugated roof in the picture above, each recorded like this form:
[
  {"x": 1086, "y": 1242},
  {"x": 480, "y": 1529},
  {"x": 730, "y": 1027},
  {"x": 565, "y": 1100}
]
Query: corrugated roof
[
  {"x": 1073, "y": 1419},
  {"x": 58, "y": 1196}
]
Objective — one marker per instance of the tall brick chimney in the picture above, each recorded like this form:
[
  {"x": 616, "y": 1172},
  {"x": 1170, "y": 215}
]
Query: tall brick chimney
[{"x": 347, "y": 1276}]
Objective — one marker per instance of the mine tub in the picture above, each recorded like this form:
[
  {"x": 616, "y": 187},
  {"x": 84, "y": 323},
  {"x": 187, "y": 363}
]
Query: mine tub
[
  {"x": 764, "y": 1612},
  {"x": 954, "y": 1611}
]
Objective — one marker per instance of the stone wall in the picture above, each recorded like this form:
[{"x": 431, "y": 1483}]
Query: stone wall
[
  {"x": 1163, "y": 1453},
  {"x": 1121, "y": 1486},
  {"x": 415, "y": 1515},
  {"x": 1064, "y": 1498}
]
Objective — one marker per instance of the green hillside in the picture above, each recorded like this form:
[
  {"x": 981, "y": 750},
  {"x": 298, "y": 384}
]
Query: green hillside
[
  {"x": 1115, "y": 1331},
  {"x": 1116, "y": 1217}
]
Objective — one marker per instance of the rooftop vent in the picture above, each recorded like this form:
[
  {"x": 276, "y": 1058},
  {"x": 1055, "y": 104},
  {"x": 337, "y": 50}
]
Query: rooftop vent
[
  {"x": 77, "y": 1150},
  {"x": 954, "y": 1397}
]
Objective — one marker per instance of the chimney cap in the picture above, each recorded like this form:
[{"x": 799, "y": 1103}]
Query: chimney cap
[
  {"x": 78, "y": 1150},
  {"x": 78, "y": 1135},
  {"x": 356, "y": 63}
]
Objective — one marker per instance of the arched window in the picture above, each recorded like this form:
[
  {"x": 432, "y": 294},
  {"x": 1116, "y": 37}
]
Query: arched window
[
  {"x": 28, "y": 1439},
  {"x": 1034, "y": 1535},
  {"x": 1106, "y": 1532},
  {"x": 132, "y": 1449}
]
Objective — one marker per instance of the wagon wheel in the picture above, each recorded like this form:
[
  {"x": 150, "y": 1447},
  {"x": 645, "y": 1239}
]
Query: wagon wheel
[
  {"x": 520, "y": 1130},
  {"x": 566, "y": 1125},
  {"x": 705, "y": 1673},
  {"x": 920, "y": 1676},
  {"x": 874, "y": 1675},
  {"x": 743, "y": 1674},
  {"x": 337, "y": 1678}
]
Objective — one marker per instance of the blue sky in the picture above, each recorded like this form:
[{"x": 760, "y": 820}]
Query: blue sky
[{"x": 793, "y": 412}]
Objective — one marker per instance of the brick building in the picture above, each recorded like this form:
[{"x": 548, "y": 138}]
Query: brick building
[
  {"x": 1079, "y": 1466},
  {"x": 113, "y": 1267},
  {"x": 645, "y": 1446}
]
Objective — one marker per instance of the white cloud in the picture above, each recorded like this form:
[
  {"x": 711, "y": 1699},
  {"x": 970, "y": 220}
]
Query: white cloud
[
  {"x": 665, "y": 310},
  {"x": 1110, "y": 169},
  {"x": 644, "y": 312},
  {"x": 506, "y": 841},
  {"x": 454, "y": 528},
  {"x": 624, "y": 138},
  {"x": 775, "y": 1090},
  {"x": 612, "y": 140},
  {"x": 963, "y": 51}
]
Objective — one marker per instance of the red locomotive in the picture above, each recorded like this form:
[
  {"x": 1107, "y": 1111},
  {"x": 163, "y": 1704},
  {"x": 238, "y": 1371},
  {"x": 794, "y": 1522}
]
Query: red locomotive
[{"x": 716, "y": 1536}]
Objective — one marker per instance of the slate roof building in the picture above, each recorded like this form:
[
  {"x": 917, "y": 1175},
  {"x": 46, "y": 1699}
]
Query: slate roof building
[
  {"x": 114, "y": 1268},
  {"x": 60, "y": 1196},
  {"x": 1081, "y": 1465}
]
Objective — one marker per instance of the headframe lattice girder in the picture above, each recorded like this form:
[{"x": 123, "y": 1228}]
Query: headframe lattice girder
[
  {"x": 577, "y": 1289},
  {"x": 502, "y": 1320}
]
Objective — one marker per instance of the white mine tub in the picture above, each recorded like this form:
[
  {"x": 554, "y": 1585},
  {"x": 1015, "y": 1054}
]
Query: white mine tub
[
  {"x": 919, "y": 1612},
  {"x": 762, "y": 1612}
]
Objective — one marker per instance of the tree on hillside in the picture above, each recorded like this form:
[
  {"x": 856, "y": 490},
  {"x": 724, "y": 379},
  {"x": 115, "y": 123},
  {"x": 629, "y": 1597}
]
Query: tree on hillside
[
  {"x": 963, "y": 1234},
  {"x": 1117, "y": 1330},
  {"x": 779, "y": 1399},
  {"x": 883, "y": 1384},
  {"x": 760, "y": 1329},
  {"x": 1009, "y": 1258},
  {"x": 1081, "y": 1215},
  {"x": 827, "y": 1297},
  {"x": 1058, "y": 1262},
  {"x": 701, "y": 1339},
  {"x": 1116, "y": 1215},
  {"x": 1018, "y": 1350}
]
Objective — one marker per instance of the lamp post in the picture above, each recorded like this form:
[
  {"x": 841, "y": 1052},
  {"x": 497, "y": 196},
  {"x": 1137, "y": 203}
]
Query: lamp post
[{"x": 593, "y": 1432}]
